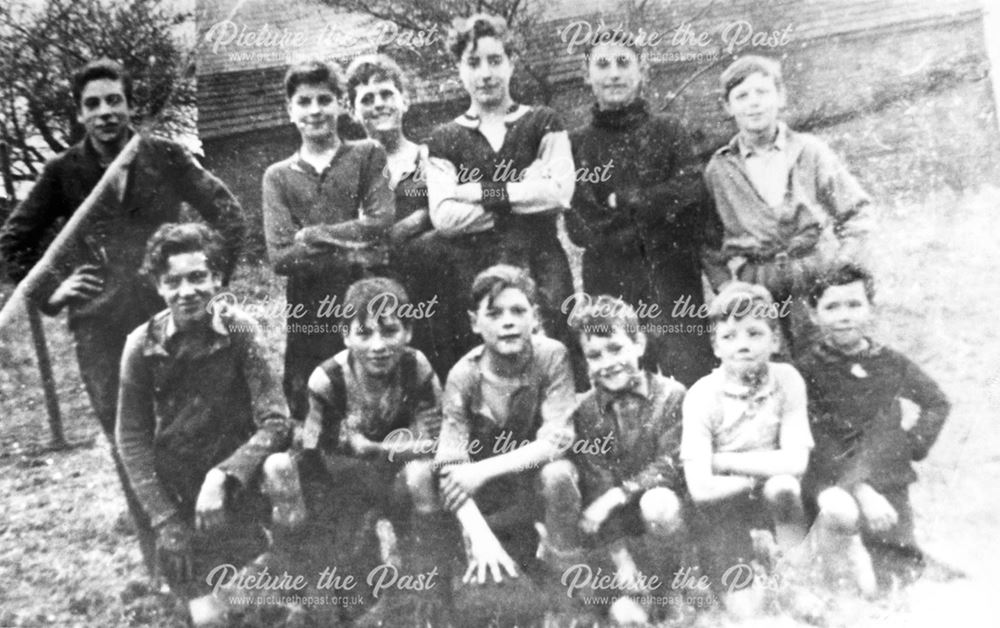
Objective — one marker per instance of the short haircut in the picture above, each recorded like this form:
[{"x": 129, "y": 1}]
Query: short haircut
[
  {"x": 603, "y": 316},
  {"x": 97, "y": 70},
  {"x": 741, "y": 300},
  {"x": 495, "y": 279},
  {"x": 379, "y": 67},
  {"x": 186, "y": 237},
  {"x": 372, "y": 296},
  {"x": 466, "y": 32},
  {"x": 739, "y": 70},
  {"x": 842, "y": 275},
  {"x": 625, "y": 39},
  {"x": 313, "y": 72}
]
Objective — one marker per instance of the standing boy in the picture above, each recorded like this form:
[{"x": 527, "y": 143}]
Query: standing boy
[
  {"x": 327, "y": 213},
  {"x": 745, "y": 440},
  {"x": 198, "y": 412},
  {"x": 625, "y": 469},
  {"x": 787, "y": 205},
  {"x": 860, "y": 471},
  {"x": 97, "y": 275},
  {"x": 498, "y": 177},
  {"x": 640, "y": 221}
]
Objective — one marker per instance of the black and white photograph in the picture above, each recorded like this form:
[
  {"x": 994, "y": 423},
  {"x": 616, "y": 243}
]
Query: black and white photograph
[{"x": 499, "y": 313}]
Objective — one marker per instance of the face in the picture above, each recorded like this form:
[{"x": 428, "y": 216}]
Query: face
[
  {"x": 755, "y": 103},
  {"x": 188, "y": 286},
  {"x": 506, "y": 323},
  {"x": 613, "y": 361},
  {"x": 485, "y": 72},
  {"x": 380, "y": 106},
  {"x": 104, "y": 112},
  {"x": 313, "y": 109},
  {"x": 843, "y": 314},
  {"x": 377, "y": 346},
  {"x": 614, "y": 74},
  {"x": 744, "y": 345}
]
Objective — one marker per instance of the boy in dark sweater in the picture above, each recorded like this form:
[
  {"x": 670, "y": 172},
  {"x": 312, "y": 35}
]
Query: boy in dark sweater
[
  {"x": 498, "y": 177},
  {"x": 860, "y": 469},
  {"x": 327, "y": 213},
  {"x": 640, "y": 221}
]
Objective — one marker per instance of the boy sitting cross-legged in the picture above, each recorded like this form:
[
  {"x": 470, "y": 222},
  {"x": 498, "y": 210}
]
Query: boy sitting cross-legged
[
  {"x": 506, "y": 411},
  {"x": 373, "y": 414},
  {"x": 860, "y": 471},
  {"x": 745, "y": 441},
  {"x": 624, "y": 467}
]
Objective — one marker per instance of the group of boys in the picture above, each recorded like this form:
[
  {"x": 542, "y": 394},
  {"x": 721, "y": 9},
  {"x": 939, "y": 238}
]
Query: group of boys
[{"x": 645, "y": 473}]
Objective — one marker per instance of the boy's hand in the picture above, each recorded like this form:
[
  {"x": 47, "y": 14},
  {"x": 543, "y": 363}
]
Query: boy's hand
[
  {"x": 83, "y": 285},
  {"x": 210, "y": 509},
  {"x": 599, "y": 511},
  {"x": 487, "y": 555},
  {"x": 461, "y": 478},
  {"x": 876, "y": 509},
  {"x": 173, "y": 551},
  {"x": 362, "y": 446}
]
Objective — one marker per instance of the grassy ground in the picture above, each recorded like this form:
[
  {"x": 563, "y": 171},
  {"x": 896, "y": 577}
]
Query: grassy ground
[{"x": 67, "y": 559}]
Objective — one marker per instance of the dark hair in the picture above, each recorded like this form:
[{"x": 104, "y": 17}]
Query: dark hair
[
  {"x": 313, "y": 72},
  {"x": 468, "y": 31},
  {"x": 187, "y": 237},
  {"x": 603, "y": 316},
  {"x": 97, "y": 70},
  {"x": 495, "y": 279},
  {"x": 741, "y": 300},
  {"x": 379, "y": 67},
  {"x": 625, "y": 39},
  {"x": 842, "y": 275},
  {"x": 374, "y": 295},
  {"x": 739, "y": 70}
]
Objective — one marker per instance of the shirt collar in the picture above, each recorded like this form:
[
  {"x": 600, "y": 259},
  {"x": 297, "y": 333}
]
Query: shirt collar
[
  {"x": 640, "y": 387},
  {"x": 780, "y": 142},
  {"x": 514, "y": 113},
  {"x": 163, "y": 328},
  {"x": 828, "y": 353},
  {"x": 300, "y": 164},
  {"x": 740, "y": 391}
]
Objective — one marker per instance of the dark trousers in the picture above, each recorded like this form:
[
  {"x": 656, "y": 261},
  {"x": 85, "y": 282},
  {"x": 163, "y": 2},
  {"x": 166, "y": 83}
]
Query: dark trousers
[
  {"x": 435, "y": 266},
  {"x": 311, "y": 338},
  {"x": 99, "y": 348},
  {"x": 678, "y": 340}
]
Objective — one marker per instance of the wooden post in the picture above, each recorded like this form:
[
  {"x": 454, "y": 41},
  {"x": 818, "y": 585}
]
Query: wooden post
[{"x": 57, "y": 439}]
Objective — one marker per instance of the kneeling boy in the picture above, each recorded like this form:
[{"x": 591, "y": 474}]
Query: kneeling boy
[
  {"x": 745, "y": 439},
  {"x": 860, "y": 471},
  {"x": 374, "y": 411},
  {"x": 199, "y": 410}
]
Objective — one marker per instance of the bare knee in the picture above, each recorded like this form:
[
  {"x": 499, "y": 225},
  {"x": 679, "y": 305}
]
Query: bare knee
[
  {"x": 276, "y": 469},
  {"x": 661, "y": 510},
  {"x": 419, "y": 476},
  {"x": 838, "y": 510},
  {"x": 557, "y": 477},
  {"x": 783, "y": 496}
]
